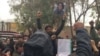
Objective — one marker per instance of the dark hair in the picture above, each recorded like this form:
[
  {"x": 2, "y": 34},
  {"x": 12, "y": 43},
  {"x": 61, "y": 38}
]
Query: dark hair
[
  {"x": 48, "y": 26},
  {"x": 18, "y": 45},
  {"x": 61, "y": 4},
  {"x": 6, "y": 50}
]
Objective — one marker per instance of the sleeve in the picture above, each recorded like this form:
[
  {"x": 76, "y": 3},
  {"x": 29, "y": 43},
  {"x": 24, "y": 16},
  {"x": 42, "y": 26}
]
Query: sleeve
[
  {"x": 39, "y": 24},
  {"x": 60, "y": 28},
  {"x": 83, "y": 44}
]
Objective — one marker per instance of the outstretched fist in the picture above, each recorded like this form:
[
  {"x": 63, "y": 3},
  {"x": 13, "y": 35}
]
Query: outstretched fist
[
  {"x": 39, "y": 14},
  {"x": 53, "y": 37}
]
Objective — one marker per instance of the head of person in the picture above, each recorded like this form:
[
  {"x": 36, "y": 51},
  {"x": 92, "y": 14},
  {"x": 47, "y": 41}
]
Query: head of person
[
  {"x": 78, "y": 25},
  {"x": 19, "y": 47},
  {"x": 25, "y": 38},
  {"x": 60, "y": 6},
  {"x": 21, "y": 39},
  {"x": 8, "y": 41},
  {"x": 7, "y": 52},
  {"x": 49, "y": 29}
]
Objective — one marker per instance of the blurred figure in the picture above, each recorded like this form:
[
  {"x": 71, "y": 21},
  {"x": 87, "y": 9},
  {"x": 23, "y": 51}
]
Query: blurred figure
[
  {"x": 11, "y": 45},
  {"x": 18, "y": 49},
  {"x": 1, "y": 48},
  {"x": 6, "y": 52},
  {"x": 83, "y": 40},
  {"x": 95, "y": 34},
  {"x": 49, "y": 30},
  {"x": 60, "y": 8},
  {"x": 54, "y": 35},
  {"x": 25, "y": 38},
  {"x": 20, "y": 40}
]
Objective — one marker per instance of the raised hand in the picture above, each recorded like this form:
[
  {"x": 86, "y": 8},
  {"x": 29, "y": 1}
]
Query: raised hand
[
  {"x": 64, "y": 16},
  {"x": 39, "y": 14},
  {"x": 53, "y": 37}
]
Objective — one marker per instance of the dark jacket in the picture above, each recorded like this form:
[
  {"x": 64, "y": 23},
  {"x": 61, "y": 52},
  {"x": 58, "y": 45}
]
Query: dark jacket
[
  {"x": 55, "y": 33},
  {"x": 38, "y": 45},
  {"x": 83, "y": 43},
  {"x": 39, "y": 26}
]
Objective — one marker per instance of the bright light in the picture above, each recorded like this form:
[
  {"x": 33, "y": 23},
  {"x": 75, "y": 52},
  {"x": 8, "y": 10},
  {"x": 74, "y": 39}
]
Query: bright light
[{"x": 5, "y": 10}]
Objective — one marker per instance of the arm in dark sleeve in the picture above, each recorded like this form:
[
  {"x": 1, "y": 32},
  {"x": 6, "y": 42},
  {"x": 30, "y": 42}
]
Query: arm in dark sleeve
[
  {"x": 60, "y": 28},
  {"x": 83, "y": 43},
  {"x": 39, "y": 24}
]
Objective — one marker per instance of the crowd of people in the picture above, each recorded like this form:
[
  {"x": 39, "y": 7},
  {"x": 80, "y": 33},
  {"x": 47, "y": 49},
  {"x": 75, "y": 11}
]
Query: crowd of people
[{"x": 43, "y": 42}]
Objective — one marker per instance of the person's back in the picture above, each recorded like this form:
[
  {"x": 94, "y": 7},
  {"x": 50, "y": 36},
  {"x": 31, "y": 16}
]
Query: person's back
[
  {"x": 38, "y": 45},
  {"x": 83, "y": 41}
]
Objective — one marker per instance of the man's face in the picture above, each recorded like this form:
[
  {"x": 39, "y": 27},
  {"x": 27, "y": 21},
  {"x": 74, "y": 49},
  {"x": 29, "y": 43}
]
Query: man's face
[
  {"x": 20, "y": 49},
  {"x": 60, "y": 7},
  {"x": 49, "y": 30}
]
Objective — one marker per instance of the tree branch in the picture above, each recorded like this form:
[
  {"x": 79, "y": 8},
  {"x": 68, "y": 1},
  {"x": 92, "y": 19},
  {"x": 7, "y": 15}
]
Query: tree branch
[{"x": 89, "y": 7}]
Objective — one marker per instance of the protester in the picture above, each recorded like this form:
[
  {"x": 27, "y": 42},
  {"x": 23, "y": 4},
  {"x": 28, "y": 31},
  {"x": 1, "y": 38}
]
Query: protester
[
  {"x": 11, "y": 45},
  {"x": 95, "y": 35},
  {"x": 18, "y": 49},
  {"x": 60, "y": 8},
  {"x": 6, "y": 52},
  {"x": 83, "y": 40},
  {"x": 49, "y": 30}
]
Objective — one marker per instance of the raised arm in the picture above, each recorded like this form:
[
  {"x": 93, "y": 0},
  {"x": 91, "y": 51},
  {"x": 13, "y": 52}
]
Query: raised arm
[
  {"x": 39, "y": 14},
  {"x": 61, "y": 25}
]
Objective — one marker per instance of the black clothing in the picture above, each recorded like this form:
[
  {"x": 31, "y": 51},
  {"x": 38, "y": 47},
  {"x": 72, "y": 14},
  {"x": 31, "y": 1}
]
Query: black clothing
[
  {"x": 38, "y": 45},
  {"x": 83, "y": 43},
  {"x": 53, "y": 33}
]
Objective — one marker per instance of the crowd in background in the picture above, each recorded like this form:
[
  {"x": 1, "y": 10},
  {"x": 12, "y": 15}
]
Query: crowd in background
[{"x": 83, "y": 44}]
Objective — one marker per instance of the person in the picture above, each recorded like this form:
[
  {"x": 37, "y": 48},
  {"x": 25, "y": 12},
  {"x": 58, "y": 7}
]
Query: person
[
  {"x": 60, "y": 8},
  {"x": 18, "y": 49},
  {"x": 6, "y": 52},
  {"x": 11, "y": 45},
  {"x": 95, "y": 35},
  {"x": 83, "y": 40},
  {"x": 49, "y": 30}
]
